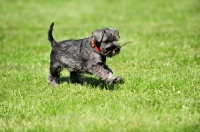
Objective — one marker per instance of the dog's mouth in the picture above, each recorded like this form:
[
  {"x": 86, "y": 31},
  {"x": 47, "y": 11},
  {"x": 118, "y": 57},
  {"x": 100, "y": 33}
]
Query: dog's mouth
[
  {"x": 113, "y": 52},
  {"x": 116, "y": 50}
]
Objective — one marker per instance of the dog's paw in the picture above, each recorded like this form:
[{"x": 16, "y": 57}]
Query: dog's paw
[
  {"x": 54, "y": 84},
  {"x": 52, "y": 80},
  {"x": 116, "y": 80}
]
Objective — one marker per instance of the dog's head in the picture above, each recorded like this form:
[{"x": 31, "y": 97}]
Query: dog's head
[{"x": 106, "y": 39}]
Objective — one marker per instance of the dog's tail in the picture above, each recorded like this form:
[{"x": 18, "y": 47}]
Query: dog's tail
[{"x": 50, "y": 36}]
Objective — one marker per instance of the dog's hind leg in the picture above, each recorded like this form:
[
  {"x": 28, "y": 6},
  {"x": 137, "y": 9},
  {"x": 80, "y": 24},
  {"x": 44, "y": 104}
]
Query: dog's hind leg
[
  {"x": 53, "y": 77},
  {"x": 75, "y": 78}
]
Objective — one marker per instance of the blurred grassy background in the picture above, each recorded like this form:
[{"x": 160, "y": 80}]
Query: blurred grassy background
[{"x": 160, "y": 68}]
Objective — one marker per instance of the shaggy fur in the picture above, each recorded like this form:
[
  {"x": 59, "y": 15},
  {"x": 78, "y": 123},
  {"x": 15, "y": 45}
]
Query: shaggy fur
[{"x": 79, "y": 56}]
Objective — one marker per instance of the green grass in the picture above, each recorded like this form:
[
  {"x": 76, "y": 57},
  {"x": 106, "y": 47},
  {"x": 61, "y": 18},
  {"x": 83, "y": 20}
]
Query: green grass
[{"x": 160, "y": 69}]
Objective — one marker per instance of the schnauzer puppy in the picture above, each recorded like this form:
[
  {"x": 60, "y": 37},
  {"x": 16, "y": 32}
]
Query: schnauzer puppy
[{"x": 86, "y": 55}]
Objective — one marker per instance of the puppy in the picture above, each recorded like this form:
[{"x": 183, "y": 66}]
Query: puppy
[{"x": 86, "y": 55}]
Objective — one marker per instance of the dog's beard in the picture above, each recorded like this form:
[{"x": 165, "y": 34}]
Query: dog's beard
[
  {"x": 110, "y": 48},
  {"x": 111, "y": 53},
  {"x": 115, "y": 51}
]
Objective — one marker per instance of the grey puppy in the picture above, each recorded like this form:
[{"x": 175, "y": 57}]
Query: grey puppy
[{"x": 86, "y": 55}]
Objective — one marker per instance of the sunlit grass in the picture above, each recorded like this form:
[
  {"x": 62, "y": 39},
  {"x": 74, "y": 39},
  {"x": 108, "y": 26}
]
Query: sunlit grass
[{"x": 160, "y": 68}]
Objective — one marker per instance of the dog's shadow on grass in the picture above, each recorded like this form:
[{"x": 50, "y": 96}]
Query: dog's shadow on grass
[{"x": 92, "y": 82}]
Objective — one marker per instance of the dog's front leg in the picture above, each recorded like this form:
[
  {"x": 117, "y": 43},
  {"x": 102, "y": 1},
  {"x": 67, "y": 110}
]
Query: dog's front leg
[
  {"x": 107, "y": 68},
  {"x": 104, "y": 74}
]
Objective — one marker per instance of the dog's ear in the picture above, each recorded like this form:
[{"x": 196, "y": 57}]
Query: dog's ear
[
  {"x": 106, "y": 34},
  {"x": 116, "y": 32},
  {"x": 98, "y": 34}
]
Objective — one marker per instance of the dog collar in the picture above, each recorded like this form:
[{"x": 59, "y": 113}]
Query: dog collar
[{"x": 97, "y": 49}]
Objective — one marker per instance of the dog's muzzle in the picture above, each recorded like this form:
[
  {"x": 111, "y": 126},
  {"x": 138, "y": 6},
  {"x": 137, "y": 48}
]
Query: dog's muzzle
[{"x": 113, "y": 52}]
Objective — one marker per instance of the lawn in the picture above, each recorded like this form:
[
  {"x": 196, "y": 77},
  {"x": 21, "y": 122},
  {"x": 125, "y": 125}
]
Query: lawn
[{"x": 160, "y": 69}]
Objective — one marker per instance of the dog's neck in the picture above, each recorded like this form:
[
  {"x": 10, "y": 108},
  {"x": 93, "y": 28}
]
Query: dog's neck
[{"x": 96, "y": 48}]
